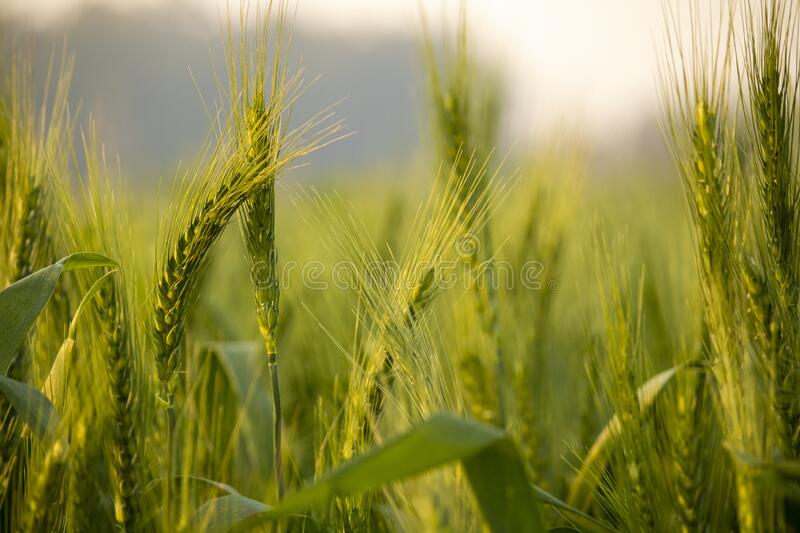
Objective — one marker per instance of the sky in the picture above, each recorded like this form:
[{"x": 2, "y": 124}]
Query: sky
[{"x": 593, "y": 62}]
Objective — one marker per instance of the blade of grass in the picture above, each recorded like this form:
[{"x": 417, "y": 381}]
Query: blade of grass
[{"x": 585, "y": 521}]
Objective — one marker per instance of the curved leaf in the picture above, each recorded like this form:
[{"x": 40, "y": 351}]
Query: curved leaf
[
  {"x": 224, "y": 513},
  {"x": 86, "y": 260},
  {"x": 56, "y": 378},
  {"x": 492, "y": 464},
  {"x": 582, "y": 490},
  {"x": 579, "y": 518},
  {"x": 22, "y": 301},
  {"x": 32, "y": 407}
]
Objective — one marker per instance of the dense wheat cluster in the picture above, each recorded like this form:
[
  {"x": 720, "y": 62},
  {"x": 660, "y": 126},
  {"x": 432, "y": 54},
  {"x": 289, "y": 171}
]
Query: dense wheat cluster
[{"x": 501, "y": 344}]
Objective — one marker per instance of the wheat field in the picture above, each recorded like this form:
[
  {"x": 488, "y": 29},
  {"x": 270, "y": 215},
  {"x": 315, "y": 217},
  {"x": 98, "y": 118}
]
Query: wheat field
[{"x": 495, "y": 342}]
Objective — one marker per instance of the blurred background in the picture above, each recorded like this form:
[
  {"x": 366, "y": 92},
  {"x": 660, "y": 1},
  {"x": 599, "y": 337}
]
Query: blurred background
[{"x": 144, "y": 68}]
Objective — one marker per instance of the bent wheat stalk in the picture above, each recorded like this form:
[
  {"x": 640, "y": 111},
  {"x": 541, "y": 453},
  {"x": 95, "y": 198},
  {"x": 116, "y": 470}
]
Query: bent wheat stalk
[
  {"x": 234, "y": 174},
  {"x": 227, "y": 181}
]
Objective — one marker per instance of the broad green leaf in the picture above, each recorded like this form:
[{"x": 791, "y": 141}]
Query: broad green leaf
[
  {"x": 493, "y": 466},
  {"x": 582, "y": 490},
  {"x": 32, "y": 407},
  {"x": 22, "y": 301},
  {"x": 20, "y": 304},
  {"x": 579, "y": 518},
  {"x": 498, "y": 480},
  {"x": 56, "y": 378}
]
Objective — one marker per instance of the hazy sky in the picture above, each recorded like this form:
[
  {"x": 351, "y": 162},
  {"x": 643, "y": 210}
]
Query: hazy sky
[{"x": 593, "y": 61}]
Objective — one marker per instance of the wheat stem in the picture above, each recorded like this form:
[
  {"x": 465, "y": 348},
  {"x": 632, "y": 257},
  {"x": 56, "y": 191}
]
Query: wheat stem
[{"x": 277, "y": 425}]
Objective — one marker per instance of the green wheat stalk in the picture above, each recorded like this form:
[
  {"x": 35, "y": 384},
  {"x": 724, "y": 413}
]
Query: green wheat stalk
[
  {"x": 260, "y": 119},
  {"x": 695, "y": 93},
  {"x": 772, "y": 33}
]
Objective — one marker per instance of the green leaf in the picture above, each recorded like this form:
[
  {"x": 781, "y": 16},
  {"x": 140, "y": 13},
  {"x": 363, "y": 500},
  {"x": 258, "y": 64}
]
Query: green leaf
[
  {"x": 32, "y": 407},
  {"x": 493, "y": 466},
  {"x": 224, "y": 513},
  {"x": 582, "y": 490},
  {"x": 498, "y": 480},
  {"x": 21, "y": 302},
  {"x": 86, "y": 260},
  {"x": 579, "y": 518}
]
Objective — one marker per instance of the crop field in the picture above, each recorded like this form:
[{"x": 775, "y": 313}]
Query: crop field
[{"x": 490, "y": 341}]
